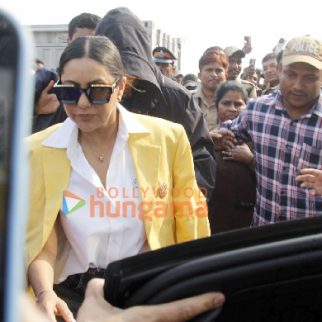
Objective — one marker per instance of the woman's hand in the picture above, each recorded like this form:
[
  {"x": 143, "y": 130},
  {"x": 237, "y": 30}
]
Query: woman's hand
[
  {"x": 223, "y": 139},
  {"x": 240, "y": 153},
  {"x": 52, "y": 305}
]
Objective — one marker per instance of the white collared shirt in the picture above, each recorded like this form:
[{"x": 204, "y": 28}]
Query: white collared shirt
[{"x": 101, "y": 223}]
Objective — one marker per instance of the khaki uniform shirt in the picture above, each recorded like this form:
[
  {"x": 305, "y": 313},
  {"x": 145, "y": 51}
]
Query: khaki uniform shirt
[{"x": 210, "y": 111}]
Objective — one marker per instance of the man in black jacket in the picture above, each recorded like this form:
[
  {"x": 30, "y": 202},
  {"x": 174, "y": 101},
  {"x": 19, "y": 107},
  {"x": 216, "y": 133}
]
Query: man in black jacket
[{"x": 154, "y": 94}]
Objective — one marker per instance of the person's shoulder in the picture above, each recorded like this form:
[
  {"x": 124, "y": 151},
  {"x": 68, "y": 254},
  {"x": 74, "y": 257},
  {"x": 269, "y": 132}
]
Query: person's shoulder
[
  {"x": 35, "y": 140},
  {"x": 263, "y": 103},
  {"x": 157, "y": 123},
  {"x": 269, "y": 98},
  {"x": 197, "y": 92},
  {"x": 170, "y": 86},
  {"x": 160, "y": 128}
]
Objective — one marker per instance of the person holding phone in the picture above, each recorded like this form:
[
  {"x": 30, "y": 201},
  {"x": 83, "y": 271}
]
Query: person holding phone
[
  {"x": 247, "y": 48},
  {"x": 106, "y": 184}
]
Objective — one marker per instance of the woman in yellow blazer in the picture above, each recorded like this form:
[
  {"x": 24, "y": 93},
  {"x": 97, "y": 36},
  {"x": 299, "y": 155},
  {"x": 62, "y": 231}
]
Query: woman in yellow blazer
[{"x": 105, "y": 184}]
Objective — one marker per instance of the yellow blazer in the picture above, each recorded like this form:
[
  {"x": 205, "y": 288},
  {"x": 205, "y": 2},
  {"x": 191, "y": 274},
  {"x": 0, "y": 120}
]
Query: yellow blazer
[{"x": 164, "y": 170}]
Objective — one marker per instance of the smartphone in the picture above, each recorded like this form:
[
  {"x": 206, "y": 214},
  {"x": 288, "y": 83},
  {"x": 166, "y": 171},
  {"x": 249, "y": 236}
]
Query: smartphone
[
  {"x": 15, "y": 122},
  {"x": 280, "y": 45},
  {"x": 248, "y": 40},
  {"x": 252, "y": 62}
]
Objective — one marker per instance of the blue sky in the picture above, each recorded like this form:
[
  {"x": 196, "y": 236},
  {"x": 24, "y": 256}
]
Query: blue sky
[{"x": 200, "y": 24}]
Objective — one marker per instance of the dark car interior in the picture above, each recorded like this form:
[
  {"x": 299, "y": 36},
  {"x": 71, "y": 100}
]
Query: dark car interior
[{"x": 269, "y": 273}]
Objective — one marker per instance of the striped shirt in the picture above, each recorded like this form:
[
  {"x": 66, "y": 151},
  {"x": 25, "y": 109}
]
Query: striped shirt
[{"x": 282, "y": 146}]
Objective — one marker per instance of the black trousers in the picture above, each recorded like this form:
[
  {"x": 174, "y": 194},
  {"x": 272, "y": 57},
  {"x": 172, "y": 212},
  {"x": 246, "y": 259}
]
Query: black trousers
[{"x": 72, "y": 290}]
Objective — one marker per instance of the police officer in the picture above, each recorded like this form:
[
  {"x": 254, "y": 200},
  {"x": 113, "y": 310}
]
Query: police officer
[{"x": 165, "y": 60}]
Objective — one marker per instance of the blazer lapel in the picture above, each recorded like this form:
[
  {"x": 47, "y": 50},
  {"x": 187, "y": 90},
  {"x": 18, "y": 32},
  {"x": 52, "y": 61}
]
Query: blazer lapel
[
  {"x": 56, "y": 176},
  {"x": 146, "y": 158}
]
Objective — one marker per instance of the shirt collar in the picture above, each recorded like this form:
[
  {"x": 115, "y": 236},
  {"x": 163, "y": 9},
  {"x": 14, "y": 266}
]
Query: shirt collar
[
  {"x": 67, "y": 133},
  {"x": 316, "y": 109},
  {"x": 278, "y": 100},
  {"x": 198, "y": 92},
  {"x": 200, "y": 95},
  {"x": 130, "y": 122}
]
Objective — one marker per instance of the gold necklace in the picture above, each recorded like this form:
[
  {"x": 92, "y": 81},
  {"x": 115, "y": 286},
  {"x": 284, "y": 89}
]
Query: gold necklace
[{"x": 99, "y": 156}]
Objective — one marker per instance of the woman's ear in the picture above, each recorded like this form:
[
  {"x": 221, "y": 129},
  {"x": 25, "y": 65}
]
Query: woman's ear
[{"x": 121, "y": 88}]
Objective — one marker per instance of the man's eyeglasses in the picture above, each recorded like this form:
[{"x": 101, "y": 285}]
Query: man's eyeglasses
[{"x": 96, "y": 93}]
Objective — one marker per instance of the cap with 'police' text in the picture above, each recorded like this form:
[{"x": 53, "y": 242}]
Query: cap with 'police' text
[{"x": 303, "y": 50}]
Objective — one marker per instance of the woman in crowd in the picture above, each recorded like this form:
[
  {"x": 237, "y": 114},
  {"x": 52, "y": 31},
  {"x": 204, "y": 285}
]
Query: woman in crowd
[
  {"x": 106, "y": 183},
  {"x": 234, "y": 196}
]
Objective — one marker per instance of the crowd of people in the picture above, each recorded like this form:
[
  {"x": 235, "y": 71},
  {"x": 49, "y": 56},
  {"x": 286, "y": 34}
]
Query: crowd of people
[{"x": 155, "y": 158}]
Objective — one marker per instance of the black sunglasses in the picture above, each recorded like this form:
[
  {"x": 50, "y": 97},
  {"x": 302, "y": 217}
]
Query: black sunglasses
[{"x": 96, "y": 93}]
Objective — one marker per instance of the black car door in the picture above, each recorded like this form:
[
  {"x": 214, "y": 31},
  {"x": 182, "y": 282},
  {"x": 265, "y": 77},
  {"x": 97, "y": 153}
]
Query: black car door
[{"x": 269, "y": 273}]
